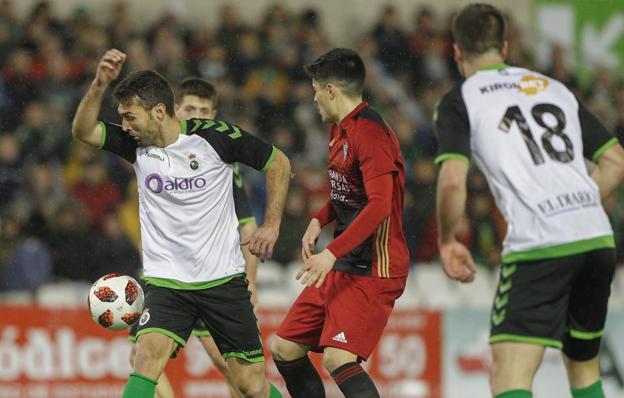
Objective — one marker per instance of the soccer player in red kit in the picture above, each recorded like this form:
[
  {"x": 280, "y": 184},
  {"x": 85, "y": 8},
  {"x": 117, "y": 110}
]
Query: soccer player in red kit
[{"x": 352, "y": 285}]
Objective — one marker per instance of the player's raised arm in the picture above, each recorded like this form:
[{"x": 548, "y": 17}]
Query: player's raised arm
[{"x": 85, "y": 126}]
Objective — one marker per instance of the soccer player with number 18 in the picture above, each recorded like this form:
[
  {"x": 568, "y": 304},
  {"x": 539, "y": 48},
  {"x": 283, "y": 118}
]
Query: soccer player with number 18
[{"x": 530, "y": 137}]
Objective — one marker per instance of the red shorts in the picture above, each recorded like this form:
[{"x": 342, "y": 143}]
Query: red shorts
[{"x": 348, "y": 312}]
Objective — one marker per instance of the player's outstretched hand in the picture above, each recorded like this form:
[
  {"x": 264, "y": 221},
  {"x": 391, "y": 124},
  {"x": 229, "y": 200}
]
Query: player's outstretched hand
[
  {"x": 316, "y": 268},
  {"x": 109, "y": 67},
  {"x": 262, "y": 241},
  {"x": 311, "y": 235},
  {"x": 457, "y": 262}
]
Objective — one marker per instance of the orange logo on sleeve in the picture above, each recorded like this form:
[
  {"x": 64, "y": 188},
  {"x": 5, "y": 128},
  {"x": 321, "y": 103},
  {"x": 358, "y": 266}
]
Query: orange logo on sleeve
[{"x": 531, "y": 85}]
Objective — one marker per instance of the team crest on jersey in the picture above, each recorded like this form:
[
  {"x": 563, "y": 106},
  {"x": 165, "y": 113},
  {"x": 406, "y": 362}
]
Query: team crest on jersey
[
  {"x": 531, "y": 85},
  {"x": 345, "y": 150},
  {"x": 194, "y": 163},
  {"x": 145, "y": 317}
]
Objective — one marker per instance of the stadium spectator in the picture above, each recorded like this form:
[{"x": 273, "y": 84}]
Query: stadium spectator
[
  {"x": 30, "y": 265},
  {"x": 11, "y": 164},
  {"x": 95, "y": 190}
]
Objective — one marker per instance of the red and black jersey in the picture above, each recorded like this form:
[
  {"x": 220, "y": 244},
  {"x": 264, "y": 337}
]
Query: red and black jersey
[{"x": 362, "y": 147}]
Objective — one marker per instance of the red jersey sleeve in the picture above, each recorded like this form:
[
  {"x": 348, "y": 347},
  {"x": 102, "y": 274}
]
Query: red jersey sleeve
[
  {"x": 376, "y": 152},
  {"x": 326, "y": 214}
]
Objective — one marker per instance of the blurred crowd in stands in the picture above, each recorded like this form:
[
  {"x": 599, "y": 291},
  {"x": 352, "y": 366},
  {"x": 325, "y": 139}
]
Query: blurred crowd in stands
[{"x": 71, "y": 212}]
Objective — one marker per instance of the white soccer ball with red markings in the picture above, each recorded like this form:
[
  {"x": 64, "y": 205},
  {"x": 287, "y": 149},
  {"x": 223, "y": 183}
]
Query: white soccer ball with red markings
[{"x": 116, "y": 301}]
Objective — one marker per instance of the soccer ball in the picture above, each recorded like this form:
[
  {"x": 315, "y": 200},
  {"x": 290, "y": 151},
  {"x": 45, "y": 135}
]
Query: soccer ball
[{"x": 115, "y": 301}]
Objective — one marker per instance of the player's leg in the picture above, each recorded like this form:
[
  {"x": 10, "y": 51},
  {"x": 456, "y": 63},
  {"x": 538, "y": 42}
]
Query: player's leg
[
  {"x": 584, "y": 377},
  {"x": 250, "y": 379},
  {"x": 300, "y": 332},
  {"x": 152, "y": 353},
  {"x": 513, "y": 368},
  {"x": 164, "y": 326},
  {"x": 163, "y": 388},
  {"x": 529, "y": 314},
  {"x": 358, "y": 308},
  {"x": 228, "y": 314},
  {"x": 213, "y": 352},
  {"x": 587, "y": 314}
]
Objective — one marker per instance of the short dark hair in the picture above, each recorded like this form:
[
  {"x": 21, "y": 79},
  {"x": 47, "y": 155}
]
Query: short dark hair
[
  {"x": 340, "y": 66},
  {"x": 149, "y": 87},
  {"x": 479, "y": 28},
  {"x": 198, "y": 87}
]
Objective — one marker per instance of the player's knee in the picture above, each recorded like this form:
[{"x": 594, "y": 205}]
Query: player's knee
[
  {"x": 331, "y": 362},
  {"x": 333, "y": 358},
  {"x": 581, "y": 350},
  {"x": 284, "y": 350},
  {"x": 279, "y": 349},
  {"x": 253, "y": 389},
  {"x": 251, "y": 382}
]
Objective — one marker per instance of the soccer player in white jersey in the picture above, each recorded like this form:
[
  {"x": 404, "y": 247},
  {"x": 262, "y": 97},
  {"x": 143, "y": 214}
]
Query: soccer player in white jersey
[
  {"x": 530, "y": 136},
  {"x": 197, "y": 99},
  {"x": 189, "y": 230}
]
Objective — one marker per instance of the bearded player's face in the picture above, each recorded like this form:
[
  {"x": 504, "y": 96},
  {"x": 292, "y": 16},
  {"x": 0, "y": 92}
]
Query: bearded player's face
[{"x": 141, "y": 124}]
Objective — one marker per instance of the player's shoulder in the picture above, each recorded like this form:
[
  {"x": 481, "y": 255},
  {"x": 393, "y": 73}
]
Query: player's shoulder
[
  {"x": 453, "y": 94},
  {"x": 371, "y": 120},
  {"x": 451, "y": 101},
  {"x": 204, "y": 126}
]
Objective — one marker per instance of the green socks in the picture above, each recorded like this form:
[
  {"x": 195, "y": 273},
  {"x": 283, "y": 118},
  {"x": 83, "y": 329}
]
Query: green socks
[
  {"x": 274, "y": 393},
  {"x": 143, "y": 387},
  {"x": 593, "y": 391},
  {"x": 140, "y": 387},
  {"x": 515, "y": 394}
]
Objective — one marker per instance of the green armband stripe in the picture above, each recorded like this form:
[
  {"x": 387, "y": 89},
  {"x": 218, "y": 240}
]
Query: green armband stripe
[
  {"x": 446, "y": 156},
  {"x": 246, "y": 220},
  {"x": 269, "y": 161},
  {"x": 603, "y": 149},
  {"x": 103, "y": 138}
]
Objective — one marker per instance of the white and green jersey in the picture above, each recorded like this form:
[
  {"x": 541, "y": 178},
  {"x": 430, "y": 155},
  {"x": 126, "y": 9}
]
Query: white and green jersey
[
  {"x": 189, "y": 228},
  {"x": 530, "y": 137}
]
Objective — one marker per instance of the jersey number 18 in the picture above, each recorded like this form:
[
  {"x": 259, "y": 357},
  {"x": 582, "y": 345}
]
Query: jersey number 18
[{"x": 514, "y": 113}]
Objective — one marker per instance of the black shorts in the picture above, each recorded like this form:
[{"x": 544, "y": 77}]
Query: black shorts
[
  {"x": 560, "y": 302},
  {"x": 225, "y": 309},
  {"x": 199, "y": 329}
]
